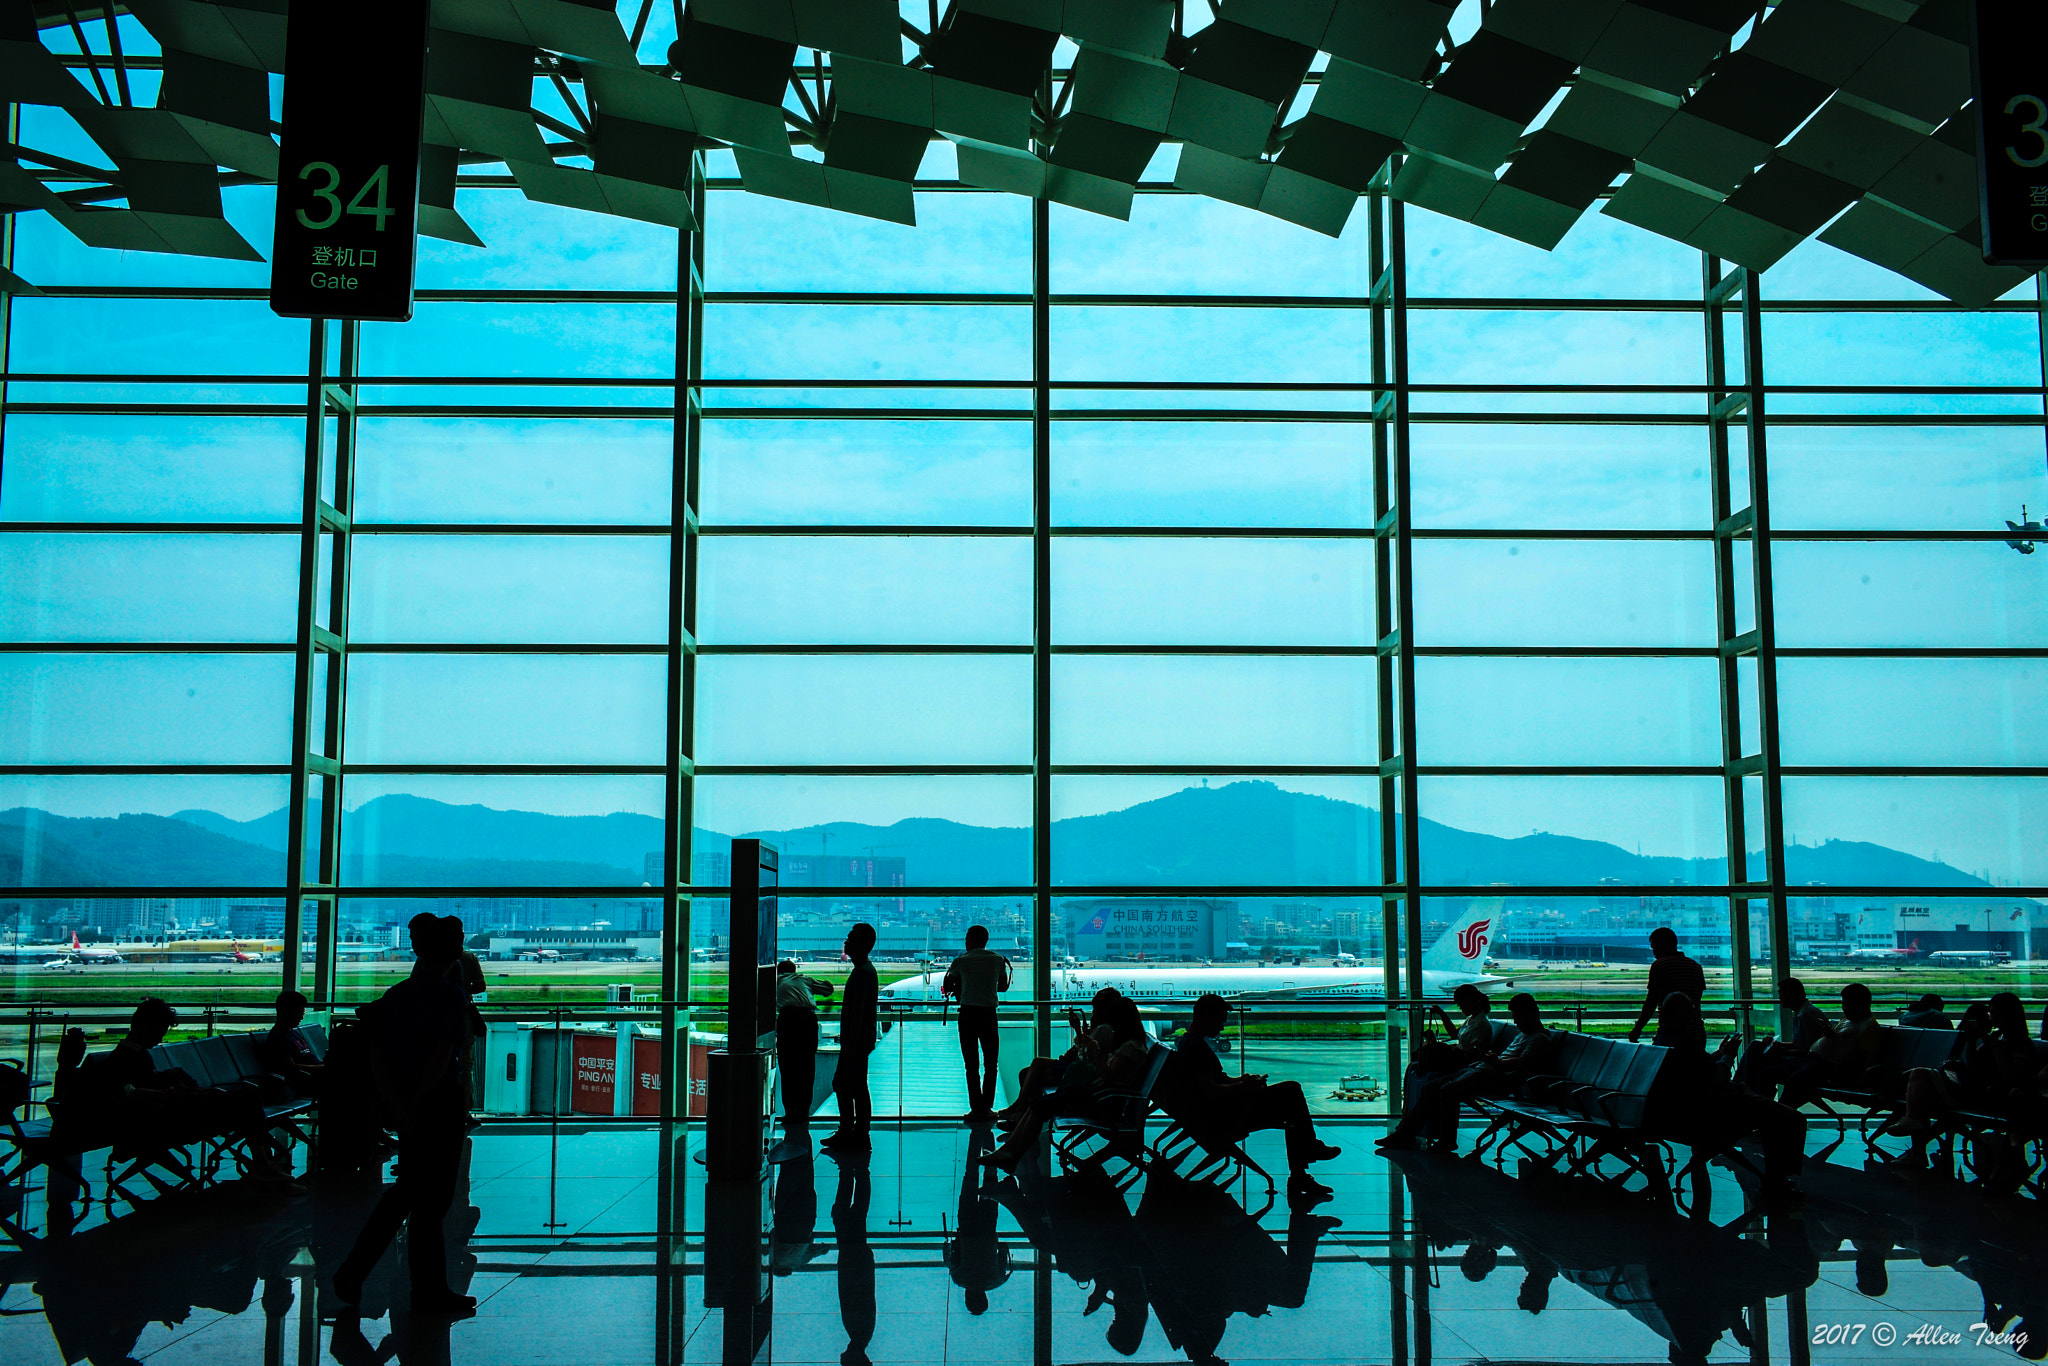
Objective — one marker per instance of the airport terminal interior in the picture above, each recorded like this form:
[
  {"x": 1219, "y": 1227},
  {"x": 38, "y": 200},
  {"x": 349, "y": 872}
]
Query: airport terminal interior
[{"x": 1451, "y": 586}]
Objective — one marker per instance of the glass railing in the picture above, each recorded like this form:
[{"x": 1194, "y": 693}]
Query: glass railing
[{"x": 604, "y": 1061}]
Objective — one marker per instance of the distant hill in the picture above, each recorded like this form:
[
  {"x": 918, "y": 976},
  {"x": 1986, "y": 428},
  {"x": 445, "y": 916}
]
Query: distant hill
[
  {"x": 1241, "y": 834},
  {"x": 111, "y": 851}
]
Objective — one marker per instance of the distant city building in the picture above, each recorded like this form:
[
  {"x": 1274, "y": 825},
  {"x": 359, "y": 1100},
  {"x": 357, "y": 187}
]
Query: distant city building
[
  {"x": 708, "y": 869},
  {"x": 840, "y": 870},
  {"x": 256, "y": 919},
  {"x": 574, "y": 944},
  {"x": 1176, "y": 928}
]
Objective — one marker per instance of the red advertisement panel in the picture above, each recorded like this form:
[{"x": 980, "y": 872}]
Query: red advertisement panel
[
  {"x": 646, "y": 1076},
  {"x": 596, "y": 1057},
  {"x": 700, "y": 1077}
]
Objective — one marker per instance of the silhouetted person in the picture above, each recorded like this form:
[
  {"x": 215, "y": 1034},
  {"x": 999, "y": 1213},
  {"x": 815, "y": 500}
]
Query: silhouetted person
[
  {"x": 285, "y": 1052},
  {"x": 153, "y": 1110},
  {"x": 857, "y": 1010},
  {"x": 856, "y": 1258},
  {"x": 1995, "y": 1070},
  {"x": 1090, "y": 1032},
  {"x": 976, "y": 1257},
  {"x": 1692, "y": 1097},
  {"x": 1118, "y": 1061},
  {"x": 977, "y": 979},
  {"x": 468, "y": 974},
  {"x": 1495, "y": 1074},
  {"x": 1437, "y": 1062},
  {"x": 1670, "y": 971},
  {"x": 418, "y": 1030},
  {"x": 796, "y": 1214},
  {"x": 1789, "y": 1060},
  {"x": 1929, "y": 1012},
  {"x": 796, "y": 1045},
  {"x": 1246, "y": 1104},
  {"x": 1851, "y": 1048}
]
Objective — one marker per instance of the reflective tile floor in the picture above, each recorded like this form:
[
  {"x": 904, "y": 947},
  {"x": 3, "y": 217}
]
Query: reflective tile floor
[{"x": 913, "y": 1256}]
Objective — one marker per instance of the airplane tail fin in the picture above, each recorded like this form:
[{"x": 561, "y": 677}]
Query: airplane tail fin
[
  {"x": 74, "y": 940},
  {"x": 1463, "y": 947}
]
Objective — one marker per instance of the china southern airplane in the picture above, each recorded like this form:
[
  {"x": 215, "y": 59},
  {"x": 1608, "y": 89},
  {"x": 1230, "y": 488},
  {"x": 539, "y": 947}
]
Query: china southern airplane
[{"x": 1455, "y": 959}]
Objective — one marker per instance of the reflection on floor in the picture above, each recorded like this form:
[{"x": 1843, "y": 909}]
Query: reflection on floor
[{"x": 916, "y": 1255}]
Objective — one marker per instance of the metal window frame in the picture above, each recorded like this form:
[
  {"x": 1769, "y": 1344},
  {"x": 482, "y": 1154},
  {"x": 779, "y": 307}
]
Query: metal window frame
[{"x": 337, "y": 393}]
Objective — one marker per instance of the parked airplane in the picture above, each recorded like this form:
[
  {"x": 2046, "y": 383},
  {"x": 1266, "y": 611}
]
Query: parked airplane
[
  {"x": 1968, "y": 958},
  {"x": 1884, "y": 955},
  {"x": 1457, "y": 958},
  {"x": 93, "y": 956},
  {"x": 72, "y": 955}
]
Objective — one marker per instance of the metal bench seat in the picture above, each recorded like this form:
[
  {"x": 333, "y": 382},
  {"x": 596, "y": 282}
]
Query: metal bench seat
[{"x": 1111, "y": 1129}]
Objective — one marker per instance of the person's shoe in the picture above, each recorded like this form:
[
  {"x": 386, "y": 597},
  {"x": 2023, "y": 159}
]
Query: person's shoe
[
  {"x": 348, "y": 1285},
  {"x": 1393, "y": 1142},
  {"x": 1305, "y": 1192},
  {"x": 1321, "y": 1152},
  {"x": 1443, "y": 1145},
  {"x": 443, "y": 1304},
  {"x": 846, "y": 1141}
]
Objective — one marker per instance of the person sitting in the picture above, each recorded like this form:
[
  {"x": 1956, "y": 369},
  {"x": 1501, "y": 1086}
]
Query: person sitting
[
  {"x": 1102, "y": 1064},
  {"x": 1241, "y": 1105},
  {"x": 1436, "y": 1062},
  {"x": 284, "y": 1051},
  {"x": 1994, "y": 1058},
  {"x": 1789, "y": 1060},
  {"x": 1852, "y": 1046},
  {"x": 1670, "y": 970},
  {"x": 1929, "y": 1012},
  {"x": 1694, "y": 1101},
  {"x": 150, "y": 1110},
  {"x": 1495, "y": 1074},
  {"x": 1041, "y": 1073}
]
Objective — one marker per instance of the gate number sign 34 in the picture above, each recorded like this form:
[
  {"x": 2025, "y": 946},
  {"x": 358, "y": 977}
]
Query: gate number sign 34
[{"x": 379, "y": 209}]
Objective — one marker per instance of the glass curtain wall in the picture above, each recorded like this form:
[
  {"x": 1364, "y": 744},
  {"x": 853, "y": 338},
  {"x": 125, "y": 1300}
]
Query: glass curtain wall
[{"x": 1100, "y": 583}]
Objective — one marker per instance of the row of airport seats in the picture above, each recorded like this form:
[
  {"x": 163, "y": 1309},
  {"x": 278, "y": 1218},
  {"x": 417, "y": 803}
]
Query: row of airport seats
[
  {"x": 219, "y": 1060},
  {"x": 1961, "y": 1134},
  {"x": 1591, "y": 1105}
]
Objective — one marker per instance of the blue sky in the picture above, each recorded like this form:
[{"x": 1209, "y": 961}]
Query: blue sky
[{"x": 926, "y": 467}]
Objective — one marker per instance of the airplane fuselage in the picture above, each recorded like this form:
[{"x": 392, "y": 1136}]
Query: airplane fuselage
[{"x": 1287, "y": 986}]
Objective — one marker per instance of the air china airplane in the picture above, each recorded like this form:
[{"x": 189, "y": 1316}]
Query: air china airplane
[{"x": 1455, "y": 959}]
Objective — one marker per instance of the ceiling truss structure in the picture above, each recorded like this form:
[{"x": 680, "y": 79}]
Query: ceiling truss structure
[{"x": 1732, "y": 127}]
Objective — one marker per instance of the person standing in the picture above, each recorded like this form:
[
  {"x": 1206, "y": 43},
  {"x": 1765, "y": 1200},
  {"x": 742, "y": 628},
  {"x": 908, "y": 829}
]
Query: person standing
[
  {"x": 977, "y": 980},
  {"x": 1670, "y": 971},
  {"x": 857, "y": 1010},
  {"x": 418, "y": 1029},
  {"x": 796, "y": 1046}
]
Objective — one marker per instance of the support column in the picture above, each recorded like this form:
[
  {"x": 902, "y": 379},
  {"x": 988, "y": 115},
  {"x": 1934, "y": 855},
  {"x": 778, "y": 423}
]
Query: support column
[
  {"x": 1403, "y": 644},
  {"x": 313, "y": 834},
  {"x": 1736, "y": 413},
  {"x": 1041, "y": 623},
  {"x": 680, "y": 778}
]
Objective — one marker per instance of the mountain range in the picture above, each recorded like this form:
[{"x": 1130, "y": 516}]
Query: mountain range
[{"x": 1238, "y": 834}]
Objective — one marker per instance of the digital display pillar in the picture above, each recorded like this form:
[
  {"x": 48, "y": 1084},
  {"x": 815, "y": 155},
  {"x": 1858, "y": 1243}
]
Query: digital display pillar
[
  {"x": 2009, "y": 75},
  {"x": 348, "y": 175},
  {"x": 737, "y": 1105}
]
